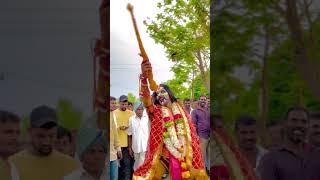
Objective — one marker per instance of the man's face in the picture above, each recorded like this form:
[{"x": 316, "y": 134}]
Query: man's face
[
  {"x": 163, "y": 96},
  {"x": 94, "y": 160},
  {"x": 43, "y": 140},
  {"x": 296, "y": 126},
  {"x": 139, "y": 112},
  {"x": 123, "y": 105},
  {"x": 314, "y": 132},
  {"x": 247, "y": 136},
  {"x": 195, "y": 104},
  {"x": 64, "y": 145},
  {"x": 130, "y": 107},
  {"x": 9, "y": 134},
  {"x": 187, "y": 104},
  {"x": 113, "y": 105},
  {"x": 202, "y": 101}
]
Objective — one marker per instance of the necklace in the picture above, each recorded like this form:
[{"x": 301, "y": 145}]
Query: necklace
[{"x": 175, "y": 135}]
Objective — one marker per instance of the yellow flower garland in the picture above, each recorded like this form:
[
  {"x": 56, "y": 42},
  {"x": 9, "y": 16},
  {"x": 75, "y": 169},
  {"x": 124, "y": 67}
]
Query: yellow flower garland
[{"x": 175, "y": 140}]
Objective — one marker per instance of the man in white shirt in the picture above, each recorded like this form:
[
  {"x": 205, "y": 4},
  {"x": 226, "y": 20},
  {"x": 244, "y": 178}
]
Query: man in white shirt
[
  {"x": 138, "y": 131},
  {"x": 92, "y": 152}
]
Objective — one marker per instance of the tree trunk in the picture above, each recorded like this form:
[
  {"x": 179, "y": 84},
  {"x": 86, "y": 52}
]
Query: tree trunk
[
  {"x": 307, "y": 13},
  {"x": 202, "y": 71},
  {"x": 264, "y": 89},
  {"x": 308, "y": 68},
  {"x": 103, "y": 89},
  {"x": 192, "y": 86}
]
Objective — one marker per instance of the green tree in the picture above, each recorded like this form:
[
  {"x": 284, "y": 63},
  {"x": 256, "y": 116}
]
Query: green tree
[
  {"x": 68, "y": 116},
  {"x": 25, "y": 124},
  {"x": 287, "y": 87},
  {"x": 182, "y": 27},
  {"x": 232, "y": 34},
  {"x": 132, "y": 98},
  {"x": 254, "y": 34}
]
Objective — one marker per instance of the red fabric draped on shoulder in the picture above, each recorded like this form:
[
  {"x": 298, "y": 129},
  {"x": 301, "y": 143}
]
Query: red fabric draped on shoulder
[
  {"x": 155, "y": 139},
  {"x": 197, "y": 161}
]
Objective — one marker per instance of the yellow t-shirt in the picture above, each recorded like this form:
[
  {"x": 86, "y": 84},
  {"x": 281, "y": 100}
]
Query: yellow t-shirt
[
  {"x": 52, "y": 167},
  {"x": 114, "y": 139},
  {"x": 123, "y": 120},
  {"x": 5, "y": 172}
]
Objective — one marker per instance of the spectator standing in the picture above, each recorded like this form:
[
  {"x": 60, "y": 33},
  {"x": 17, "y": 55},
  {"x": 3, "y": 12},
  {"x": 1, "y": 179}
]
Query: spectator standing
[
  {"x": 122, "y": 116},
  {"x": 41, "y": 161},
  {"x": 63, "y": 142},
  {"x": 275, "y": 130},
  {"x": 130, "y": 106},
  {"x": 314, "y": 130},
  {"x": 115, "y": 149},
  {"x": 187, "y": 105},
  {"x": 92, "y": 152},
  {"x": 138, "y": 131},
  {"x": 9, "y": 134},
  {"x": 294, "y": 160},
  {"x": 246, "y": 133},
  {"x": 201, "y": 121}
]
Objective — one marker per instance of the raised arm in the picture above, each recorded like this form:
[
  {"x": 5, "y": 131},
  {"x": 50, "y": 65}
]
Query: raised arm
[
  {"x": 147, "y": 74},
  {"x": 145, "y": 96}
]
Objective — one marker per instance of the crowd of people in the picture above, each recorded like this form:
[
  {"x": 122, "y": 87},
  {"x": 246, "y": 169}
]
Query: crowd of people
[
  {"x": 292, "y": 155},
  {"x": 51, "y": 151},
  {"x": 54, "y": 152},
  {"x": 131, "y": 128}
]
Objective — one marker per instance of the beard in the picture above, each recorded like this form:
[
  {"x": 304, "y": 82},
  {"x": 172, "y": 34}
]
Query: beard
[
  {"x": 43, "y": 150},
  {"x": 249, "y": 144},
  {"x": 297, "y": 135}
]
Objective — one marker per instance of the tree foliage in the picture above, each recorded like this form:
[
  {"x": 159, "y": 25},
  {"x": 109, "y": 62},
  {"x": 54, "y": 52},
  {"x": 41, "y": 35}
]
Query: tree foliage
[
  {"x": 238, "y": 33},
  {"x": 132, "y": 98},
  {"x": 182, "y": 27},
  {"x": 68, "y": 116}
]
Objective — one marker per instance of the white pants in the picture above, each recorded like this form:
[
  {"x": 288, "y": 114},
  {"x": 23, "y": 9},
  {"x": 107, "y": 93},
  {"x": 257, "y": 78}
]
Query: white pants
[{"x": 138, "y": 159}]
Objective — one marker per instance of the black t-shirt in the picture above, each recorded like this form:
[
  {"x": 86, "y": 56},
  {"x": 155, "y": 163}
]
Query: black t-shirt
[{"x": 283, "y": 164}]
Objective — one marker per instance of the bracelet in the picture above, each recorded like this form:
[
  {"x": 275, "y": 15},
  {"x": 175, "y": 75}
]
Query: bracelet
[{"x": 144, "y": 84}]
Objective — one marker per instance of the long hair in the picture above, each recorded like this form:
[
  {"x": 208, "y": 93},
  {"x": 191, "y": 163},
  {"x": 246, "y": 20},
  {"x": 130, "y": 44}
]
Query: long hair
[{"x": 171, "y": 95}]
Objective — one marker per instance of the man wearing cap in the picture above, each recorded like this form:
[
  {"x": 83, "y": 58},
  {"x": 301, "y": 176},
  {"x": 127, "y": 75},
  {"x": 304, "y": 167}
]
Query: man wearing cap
[
  {"x": 41, "y": 161},
  {"x": 92, "y": 152},
  {"x": 138, "y": 131},
  {"x": 122, "y": 116}
]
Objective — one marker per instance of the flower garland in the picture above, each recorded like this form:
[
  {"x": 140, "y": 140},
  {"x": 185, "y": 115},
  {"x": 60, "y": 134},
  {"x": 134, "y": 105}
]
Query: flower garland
[{"x": 174, "y": 136}]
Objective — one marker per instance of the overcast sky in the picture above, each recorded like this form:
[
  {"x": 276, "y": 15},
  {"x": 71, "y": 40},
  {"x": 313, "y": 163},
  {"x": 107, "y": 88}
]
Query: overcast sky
[
  {"x": 45, "y": 52},
  {"x": 125, "y": 62}
]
